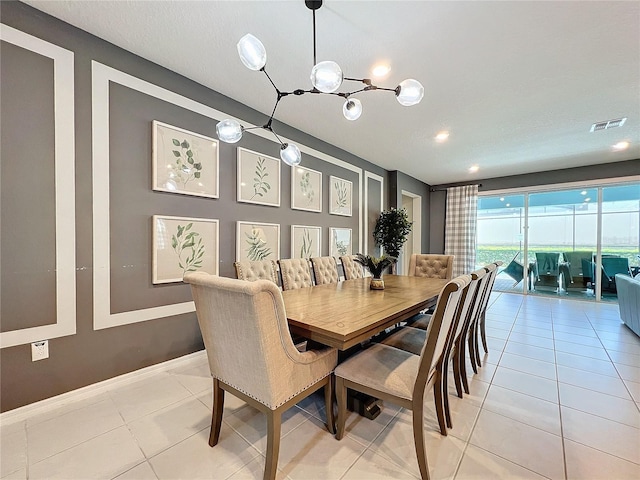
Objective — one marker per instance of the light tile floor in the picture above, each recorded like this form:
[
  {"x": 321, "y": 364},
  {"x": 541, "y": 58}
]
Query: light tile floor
[{"x": 558, "y": 397}]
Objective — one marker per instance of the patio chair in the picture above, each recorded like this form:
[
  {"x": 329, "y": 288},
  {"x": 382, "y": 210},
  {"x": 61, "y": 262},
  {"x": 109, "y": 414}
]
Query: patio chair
[
  {"x": 574, "y": 274},
  {"x": 546, "y": 270},
  {"x": 515, "y": 270}
]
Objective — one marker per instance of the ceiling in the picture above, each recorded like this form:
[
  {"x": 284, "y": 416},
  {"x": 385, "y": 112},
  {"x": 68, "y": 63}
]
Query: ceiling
[{"x": 517, "y": 84}]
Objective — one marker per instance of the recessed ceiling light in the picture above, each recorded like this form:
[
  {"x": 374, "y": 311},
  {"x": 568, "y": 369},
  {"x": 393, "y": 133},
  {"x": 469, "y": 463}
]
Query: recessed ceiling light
[
  {"x": 380, "y": 70},
  {"x": 508, "y": 205},
  {"x": 474, "y": 168},
  {"x": 621, "y": 146},
  {"x": 583, "y": 192},
  {"x": 502, "y": 199},
  {"x": 587, "y": 199},
  {"x": 442, "y": 136}
]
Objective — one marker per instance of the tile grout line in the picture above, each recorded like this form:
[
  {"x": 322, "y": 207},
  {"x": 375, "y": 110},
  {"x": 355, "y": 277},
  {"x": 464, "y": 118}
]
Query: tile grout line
[{"x": 562, "y": 438}]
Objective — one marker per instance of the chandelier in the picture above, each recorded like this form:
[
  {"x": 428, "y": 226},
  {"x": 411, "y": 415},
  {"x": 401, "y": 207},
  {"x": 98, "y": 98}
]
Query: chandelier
[{"x": 326, "y": 78}]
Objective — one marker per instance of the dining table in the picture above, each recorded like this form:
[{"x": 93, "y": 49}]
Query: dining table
[{"x": 349, "y": 312}]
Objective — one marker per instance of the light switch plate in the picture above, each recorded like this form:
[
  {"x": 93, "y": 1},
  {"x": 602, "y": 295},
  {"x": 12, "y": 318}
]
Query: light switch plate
[{"x": 39, "y": 350}]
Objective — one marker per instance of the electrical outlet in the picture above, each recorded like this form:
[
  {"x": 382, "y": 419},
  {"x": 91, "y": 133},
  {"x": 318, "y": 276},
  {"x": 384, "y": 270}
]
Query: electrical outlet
[{"x": 39, "y": 350}]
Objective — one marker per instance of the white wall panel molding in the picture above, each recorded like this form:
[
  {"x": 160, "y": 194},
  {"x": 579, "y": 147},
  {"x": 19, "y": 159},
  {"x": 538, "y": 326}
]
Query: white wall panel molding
[
  {"x": 102, "y": 75},
  {"x": 64, "y": 178}
]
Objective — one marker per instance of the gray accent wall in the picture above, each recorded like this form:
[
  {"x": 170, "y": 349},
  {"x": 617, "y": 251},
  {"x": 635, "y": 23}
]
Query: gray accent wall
[
  {"x": 27, "y": 207},
  {"x": 400, "y": 181}
]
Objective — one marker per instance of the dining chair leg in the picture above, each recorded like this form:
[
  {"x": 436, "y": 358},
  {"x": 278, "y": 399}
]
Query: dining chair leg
[
  {"x": 274, "y": 424},
  {"x": 456, "y": 370},
  {"x": 462, "y": 361},
  {"x": 216, "y": 414},
  {"x": 445, "y": 397},
  {"x": 437, "y": 394},
  {"x": 341, "y": 397},
  {"x": 472, "y": 353},
  {"x": 476, "y": 343},
  {"x": 328, "y": 404},
  {"x": 483, "y": 333},
  {"x": 418, "y": 439}
]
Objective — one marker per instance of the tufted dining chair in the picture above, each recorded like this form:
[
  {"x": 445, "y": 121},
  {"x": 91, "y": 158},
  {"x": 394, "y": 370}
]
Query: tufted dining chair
[
  {"x": 325, "y": 270},
  {"x": 401, "y": 377},
  {"x": 432, "y": 266},
  {"x": 351, "y": 268},
  {"x": 257, "y": 270},
  {"x": 295, "y": 273},
  {"x": 251, "y": 354}
]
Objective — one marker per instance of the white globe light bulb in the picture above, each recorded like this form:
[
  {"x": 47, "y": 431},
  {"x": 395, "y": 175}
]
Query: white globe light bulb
[
  {"x": 290, "y": 154},
  {"x": 326, "y": 76},
  {"x": 352, "y": 109},
  {"x": 409, "y": 92},
  {"x": 229, "y": 131},
  {"x": 252, "y": 52}
]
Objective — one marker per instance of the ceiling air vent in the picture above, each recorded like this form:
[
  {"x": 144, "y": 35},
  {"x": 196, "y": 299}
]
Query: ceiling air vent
[{"x": 618, "y": 122}]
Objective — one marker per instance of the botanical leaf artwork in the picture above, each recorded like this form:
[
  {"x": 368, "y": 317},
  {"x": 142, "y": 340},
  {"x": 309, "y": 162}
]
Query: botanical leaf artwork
[
  {"x": 260, "y": 185},
  {"x": 188, "y": 246},
  {"x": 306, "y": 188},
  {"x": 307, "y": 244},
  {"x": 257, "y": 248},
  {"x": 186, "y": 167},
  {"x": 341, "y": 193},
  {"x": 341, "y": 247}
]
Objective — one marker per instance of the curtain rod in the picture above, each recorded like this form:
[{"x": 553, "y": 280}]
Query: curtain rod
[{"x": 445, "y": 189}]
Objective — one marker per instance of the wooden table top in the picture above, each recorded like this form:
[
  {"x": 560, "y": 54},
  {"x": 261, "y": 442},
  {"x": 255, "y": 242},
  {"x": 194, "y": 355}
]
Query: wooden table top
[{"x": 346, "y": 313}]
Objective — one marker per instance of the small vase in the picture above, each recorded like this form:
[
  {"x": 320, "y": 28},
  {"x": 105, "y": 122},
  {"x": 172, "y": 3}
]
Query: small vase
[{"x": 376, "y": 284}]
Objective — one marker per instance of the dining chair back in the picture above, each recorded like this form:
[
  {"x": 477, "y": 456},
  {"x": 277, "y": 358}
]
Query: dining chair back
[
  {"x": 401, "y": 377},
  {"x": 257, "y": 270},
  {"x": 352, "y": 269},
  {"x": 325, "y": 270},
  {"x": 477, "y": 329},
  {"x": 432, "y": 266},
  {"x": 252, "y": 356},
  {"x": 295, "y": 273}
]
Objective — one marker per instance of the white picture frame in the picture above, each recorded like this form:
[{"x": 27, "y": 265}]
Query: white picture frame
[
  {"x": 340, "y": 242},
  {"x": 340, "y": 196},
  {"x": 257, "y": 241},
  {"x": 184, "y": 244},
  {"x": 306, "y": 241},
  {"x": 258, "y": 178},
  {"x": 184, "y": 162},
  {"x": 306, "y": 189}
]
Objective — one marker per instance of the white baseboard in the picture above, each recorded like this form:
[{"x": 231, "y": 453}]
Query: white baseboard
[{"x": 51, "y": 403}]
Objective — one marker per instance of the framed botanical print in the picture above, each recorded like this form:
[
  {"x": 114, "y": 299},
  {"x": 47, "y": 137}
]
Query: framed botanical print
[
  {"x": 184, "y": 162},
  {"x": 182, "y": 245},
  {"x": 258, "y": 178},
  {"x": 305, "y": 241},
  {"x": 339, "y": 242},
  {"x": 257, "y": 241},
  {"x": 340, "y": 195},
  {"x": 306, "y": 189}
]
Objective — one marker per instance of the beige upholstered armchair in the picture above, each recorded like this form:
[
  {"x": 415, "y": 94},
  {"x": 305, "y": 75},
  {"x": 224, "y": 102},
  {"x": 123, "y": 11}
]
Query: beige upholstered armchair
[
  {"x": 432, "y": 266},
  {"x": 251, "y": 354},
  {"x": 257, "y": 270},
  {"x": 401, "y": 377},
  {"x": 325, "y": 270},
  {"x": 351, "y": 268},
  {"x": 295, "y": 273}
]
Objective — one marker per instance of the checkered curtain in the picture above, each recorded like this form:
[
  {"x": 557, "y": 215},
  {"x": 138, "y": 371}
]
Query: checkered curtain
[{"x": 460, "y": 227}]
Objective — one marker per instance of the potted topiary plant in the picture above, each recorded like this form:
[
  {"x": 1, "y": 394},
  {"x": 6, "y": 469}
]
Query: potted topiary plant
[
  {"x": 376, "y": 266},
  {"x": 391, "y": 231}
]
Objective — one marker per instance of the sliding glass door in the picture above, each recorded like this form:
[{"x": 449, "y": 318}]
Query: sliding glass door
[
  {"x": 569, "y": 242},
  {"x": 500, "y": 236},
  {"x": 563, "y": 228}
]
